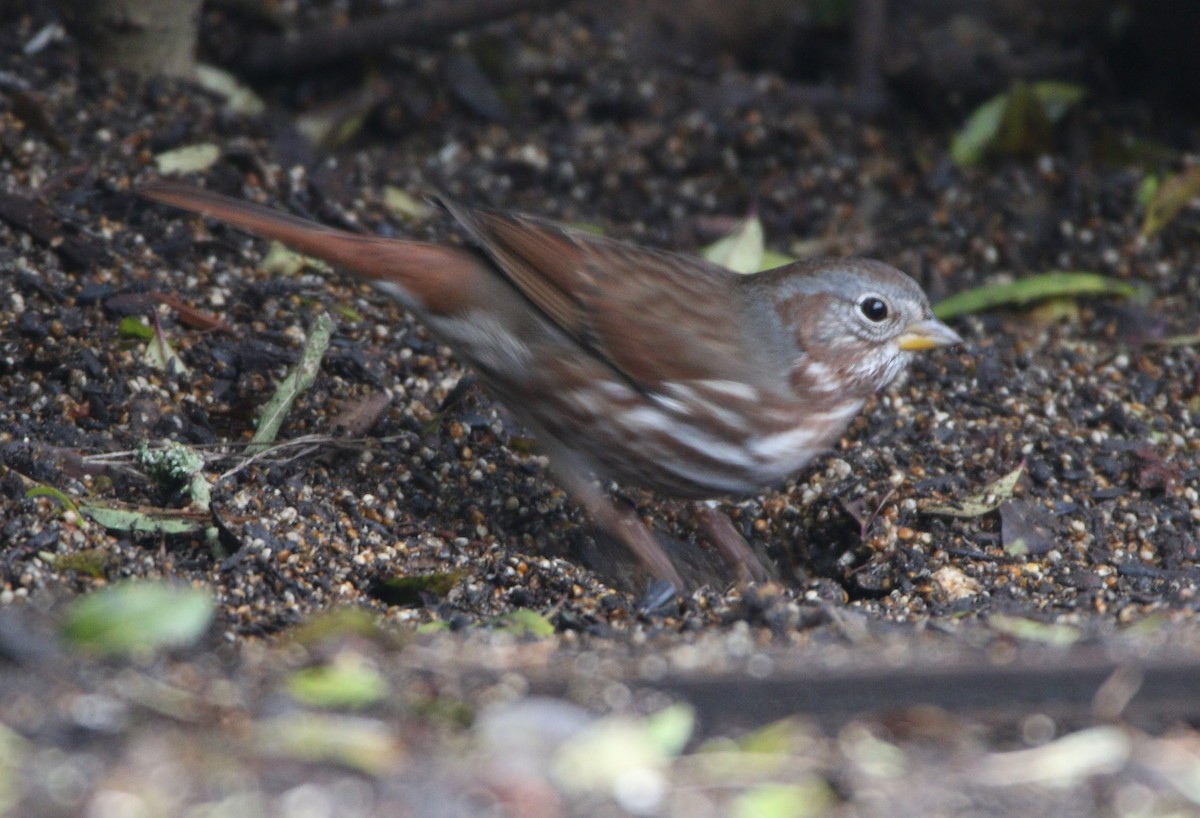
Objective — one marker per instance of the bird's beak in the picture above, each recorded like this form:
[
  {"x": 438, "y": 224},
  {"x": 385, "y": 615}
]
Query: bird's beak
[{"x": 927, "y": 334}]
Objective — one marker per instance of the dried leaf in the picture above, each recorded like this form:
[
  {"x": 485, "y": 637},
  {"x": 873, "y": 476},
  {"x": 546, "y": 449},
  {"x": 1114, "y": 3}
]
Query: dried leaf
[
  {"x": 189, "y": 159},
  {"x": 160, "y": 354},
  {"x": 335, "y": 124},
  {"x": 405, "y": 204},
  {"x": 238, "y": 98},
  {"x": 190, "y": 316},
  {"x": 1025, "y": 529},
  {"x": 1171, "y": 197},
  {"x": 358, "y": 418},
  {"x": 979, "y": 504},
  {"x": 282, "y": 260}
]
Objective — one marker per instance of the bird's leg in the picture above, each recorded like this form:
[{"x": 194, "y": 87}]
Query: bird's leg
[
  {"x": 718, "y": 529},
  {"x": 624, "y": 524}
]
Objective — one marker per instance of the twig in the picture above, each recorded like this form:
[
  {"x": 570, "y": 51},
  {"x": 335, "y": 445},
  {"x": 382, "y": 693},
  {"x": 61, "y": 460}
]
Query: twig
[{"x": 438, "y": 18}]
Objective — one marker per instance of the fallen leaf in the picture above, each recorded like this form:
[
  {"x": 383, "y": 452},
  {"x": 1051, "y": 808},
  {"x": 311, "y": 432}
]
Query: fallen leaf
[
  {"x": 976, "y": 505},
  {"x": 742, "y": 250},
  {"x": 405, "y": 204},
  {"x": 291, "y": 387},
  {"x": 1170, "y": 197},
  {"x": 348, "y": 681},
  {"x": 145, "y": 520},
  {"x": 1030, "y": 289},
  {"x": 412, "y": 590},
  {"x": 358, "y": 417},
  {"x": 238, "y": 97},
  {"x": 524, "y": 622},
  {"x": 367, "y": 745},
  {"x": 1031, "y": 630},
  {"x": 1025, "y": 529},
  {"x": 188, "y": 159},
  {"x": 136, "y": 617},
  {"x": 1014, "y": 122}
]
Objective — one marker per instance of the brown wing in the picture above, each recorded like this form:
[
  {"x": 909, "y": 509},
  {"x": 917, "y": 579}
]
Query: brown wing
[{"x": 653, "y": 316}]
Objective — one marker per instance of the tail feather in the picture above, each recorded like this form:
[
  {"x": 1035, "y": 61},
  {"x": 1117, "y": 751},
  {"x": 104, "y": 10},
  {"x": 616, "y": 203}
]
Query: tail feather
[{"x": 427, "y": 277}]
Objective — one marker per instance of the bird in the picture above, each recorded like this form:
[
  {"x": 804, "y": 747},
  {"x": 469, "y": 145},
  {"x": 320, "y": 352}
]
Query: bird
[{"x": 633, "y": 364}]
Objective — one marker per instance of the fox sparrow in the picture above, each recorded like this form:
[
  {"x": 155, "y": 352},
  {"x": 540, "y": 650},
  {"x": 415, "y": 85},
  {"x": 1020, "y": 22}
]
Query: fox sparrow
[{"x": 633, "y": 364}]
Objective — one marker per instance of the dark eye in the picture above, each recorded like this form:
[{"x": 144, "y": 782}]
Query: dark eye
[{"x": 875, "y": 309}]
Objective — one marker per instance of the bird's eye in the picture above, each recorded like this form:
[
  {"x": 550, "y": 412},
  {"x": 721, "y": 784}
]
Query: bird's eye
[{"x": 875, "y": 309}]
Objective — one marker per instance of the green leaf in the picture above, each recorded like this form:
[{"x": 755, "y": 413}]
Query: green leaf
[
  {"x": 347, "y": 313},
  {"x": 349, "y": 681},
  {"x": 976, "y": 505},
  {"x": 1147, "y": 189},
  {"x": 971, "y": 143},
  {"x": 606, "y": 751},
  {"x": 810, "y": 797},
  {"x": 332, "y": 624},
  {"x": 772, "y": 259},
  {"x": 777, "y": 738},
  {"x": 412, "y": 590},
  {"x": 524, "y": 622},
  {"x": 1058, "y": 97},
  {"x": 362, "y": 744},
  {"x": 14, "y": 772},
  {"x": 65, "y": 501},
  {"x": 434, "y": 626},
  {"x": 671, "y": 728},
  {"x": 1030, "y": 630},
  {"x": 297, "y": 381},
  {"x": 1025, "y": 129},
  {"x": 133, "y": 327},
  {"x": 1032, "y": 288},
  {"x": 89, "y": 561},
  {"x": 136, "y": 617},
  {"x": 741, "y": 250},
  {"x": 153, "y": 521},
  {"x": 1015, "y": 122}
]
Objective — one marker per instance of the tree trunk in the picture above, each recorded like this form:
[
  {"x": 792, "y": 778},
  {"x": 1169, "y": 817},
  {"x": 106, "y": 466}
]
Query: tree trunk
[{"x": 148, "y": 37}]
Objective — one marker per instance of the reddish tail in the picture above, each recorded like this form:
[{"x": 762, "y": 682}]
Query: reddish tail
[{"x": 428, "y": 277}]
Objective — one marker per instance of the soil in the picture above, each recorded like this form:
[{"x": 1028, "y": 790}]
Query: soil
[{"x": 1036, "y": 658}]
